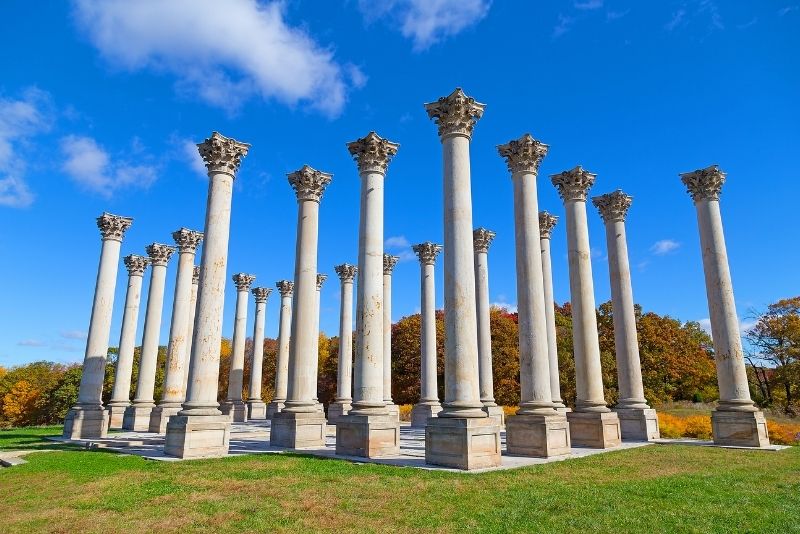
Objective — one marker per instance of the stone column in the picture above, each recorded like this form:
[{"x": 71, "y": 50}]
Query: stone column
[
  {"x": 462, "y": 436},
  {"x": 88, "y": 419},
  {"x": 428, "y": 405},
  {"x": 344, "y": 382},
  {"x": 234, "y": 406},
  {"x": 318, "y": 309},
  {"x": 592, "y": 424},
  {"x": 137, "y": 415},
  {"x": 369, "y": 430},
  {"x": 736, "y": 421},
  {"x": 637, "y": 420},
  {"x": 389, "y": 263},
  {"x": 200, "y": 429},
  {"x": 121, "y": 396},
  {"x": 546, "y": 224},
  {"x": 300, "y": 423},
  {"x": 285, "y": 288},
  {"x": 481, "y": 240},
  {"x": 190, "y": 328},
  {"x": 256, "y": 408},
  {"x": 177, "y": 360}
]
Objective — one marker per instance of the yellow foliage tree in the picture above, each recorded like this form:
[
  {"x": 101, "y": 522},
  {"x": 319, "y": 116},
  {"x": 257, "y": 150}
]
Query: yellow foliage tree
[{"x": 19, "y": 404}]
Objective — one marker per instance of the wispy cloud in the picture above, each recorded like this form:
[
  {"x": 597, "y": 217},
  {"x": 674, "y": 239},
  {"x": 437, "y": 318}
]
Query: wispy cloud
[
  {"x": 788, "y": 9},
  {"x": 616, "y": 15},
  {"x": 73, "y": 334},
  {"x": 399, "y": 246},
  {"x": 192, "y": 157},
  {"x": 31, "y": 343},
  {"x": 709, "y": 7},
  {"x": 744, "y": 325},
  {"x": 588, "y": 4},
  {"x": 664, "y": 246},
  {"x": 563, "y": 26},
  {"x": 751, "y": 22},
  {"x": 676, "y": 20}
]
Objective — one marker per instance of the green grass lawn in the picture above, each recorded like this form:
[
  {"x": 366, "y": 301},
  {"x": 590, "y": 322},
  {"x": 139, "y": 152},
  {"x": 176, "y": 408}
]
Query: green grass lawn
[{"x": 650, "y": 489}]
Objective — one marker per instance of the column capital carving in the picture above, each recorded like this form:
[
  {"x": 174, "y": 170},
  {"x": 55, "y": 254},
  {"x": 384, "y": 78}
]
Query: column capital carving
[
  {"x": 321, "y": 280},
  {"x": 455, "y": 114},
  {"x": 308, "y": 183},
  {"x": 613, "y": 206},
  {"x": 136, "y": 264},
  {"x": 159, "y": 253},
  {"x": 222, "y": 154},
  {"x": 547, "y": 221},
  {"x": 196, "y": 274},
  {"x": 427, "y": 252},
  {"x": 372, "y": 153},
  {"x": 523, "y": 154},
  {"x": 481, "y": 239},
  {"x": 261, "y": 294},
  {"x": 346, "y": 272},
  {"x": 113, "y": 226},
  {"x": 389, "y": 262},
  {"x": 704, "y": 184},
  {"x": 573, "y": 184},
  {"x": 187, "y": 240},
  {"x": 285, "y": 287},
  {"x": 243, "y": 281}
]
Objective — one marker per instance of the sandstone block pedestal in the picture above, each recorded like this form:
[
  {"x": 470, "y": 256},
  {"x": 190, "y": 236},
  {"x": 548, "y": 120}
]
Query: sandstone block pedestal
[
  {"x": 198, "y": 436},
  {"x": 598, "y": 430},
  {"x": 420, "y": 414},
  {"x": 83, "y": 423},
  {"x": 462, "y": 443},
  {"x": 137, "y": 417},
  {"x": 236, "y": 410},
  {"x": 496, "y": 414},
  {"x": 368, "y": 436},
  {"x": 256, "y": 409},
  {"x": 115, "y": 415},
  {"x": 338, "y": 409},
  {"x": 159, "y": 417},
  {"x": 394, "y": 411},
  {"x": 638, "y": 424},
  {"x": 739, "y": 429},
  {"x": 298, "y": 430},
  {"x": 563, "y": 409},
  {"x": 274, "y": 408},
  {"x": 541, "y": 436}
]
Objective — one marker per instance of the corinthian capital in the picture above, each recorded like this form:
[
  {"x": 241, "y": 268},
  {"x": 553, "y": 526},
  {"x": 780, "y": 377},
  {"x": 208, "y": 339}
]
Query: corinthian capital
[
  {"x": 573, "y": 184},
  {"x": 547, "y": 222},
  {"x": 481, "y": 239},
  {"x": 704, "y": 184},
  {"x": 261, "y": 294},
  {"x": 159, "y": 253},
  {"x": 523, "y": 154},
  {"x": 372, "y": 153},
  {"x": 455, "y": 114},
  {"x": 243, "y": 281},
  {"x": 613, "y": 206},
  {"x": 389, "y": 263},
  {"x": 308, "y": 183},
  {"x": 136, "y": 265},
  {"x": 187, "y": 240},
  {"x": 321, "y": 280},
  {"x": 113, "y": 226},
  {"x": 222, "y": 154},
  {"x": 427, "y": 252},
  {"x": 346, "y": 272},
  {"x": 285, "y": 287},
  {"x": 196, "y": 274}
]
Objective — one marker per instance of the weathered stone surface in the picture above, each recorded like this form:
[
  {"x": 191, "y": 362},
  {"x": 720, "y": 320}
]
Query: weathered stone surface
[
  {"x": 296, "y": 430},
  {"x": 420, "y": 413},
  {"x": 197, "y": 436},
  {"x": 256, "y": 409},
  {"x": 159, "y": 417},
  {"x": 637, "y": 424},
  {"x": 462, "y": 442},
  {"x": 740, "y": 429},
  {"x": 115, "y": 415},
  {"x": 235, "y": 409},
  {"x": 86, "y": 424},
  {"x": 369, "y": 436},
  {"x": 495, "y": 413},
  {"x": 599, "y": 430},
  {"x": 538, "y": 435},
  {"x": 137, "y": 417},
  {"x": 337, "y": 409}
]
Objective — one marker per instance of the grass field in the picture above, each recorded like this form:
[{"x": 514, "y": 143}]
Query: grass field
[{"x": 649, "y": 489}]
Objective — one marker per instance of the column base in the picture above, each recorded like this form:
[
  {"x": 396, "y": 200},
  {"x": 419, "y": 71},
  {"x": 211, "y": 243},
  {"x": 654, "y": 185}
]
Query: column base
[
  {"x": 462, "y": 443},
  {"x": 115, "y": 414},
  {"x": 394, "y": 410},
  {"x": 160, "y": 415},
  {"x": 197, "y": 436},
  {"x": 368, "y": 436},
  {"x": 297, "y": 430},
  {"x": 256, "y": 409},
  {"x": 638, "y": 424},
  {"x": 137, "y": 417},
  {"x": 420, "y": 414},
  {"x": 273, "y": 408},
  {"x": 598, "y": 430},
  {"x": 539, "y": 436},
  {"x": 86, "y": 423},
  {"x": 739, "y": 429},
  {"x": 563, "y": 409},
  {"x": 236, "y": 410},
  {"x": 338, "y": 409},
  {"x": 496, "y": 414}
]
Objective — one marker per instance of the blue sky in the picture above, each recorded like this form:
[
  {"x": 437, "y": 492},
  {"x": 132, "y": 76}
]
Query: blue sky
[{"x": 100, "y": 103}]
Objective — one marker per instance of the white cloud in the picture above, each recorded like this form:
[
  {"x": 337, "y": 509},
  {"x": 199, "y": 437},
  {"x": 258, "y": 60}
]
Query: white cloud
[
  {"x": 744, "y": 325},
  {"x": 563, "y": 26},
  {"x": 426, "y": 22},
  {"x": 788, "y": 9},
  {"x": 401, "y": 247},
  {"x": 222, "y": 52},
  {"x": 511, "y": 308},
  {"x": 31, "y": 343},
  {"x": 193, "y": 158},
  {"x": 73, "y": 334},
  {"x": 588, "y": 4},
  {"x": 664, "y": 246},
  {"x": 89, "y": 165},
  {"x": 596, "y": 253},
  {"x": 398, "y": 241},
  {"x": 676, "y": 20}
]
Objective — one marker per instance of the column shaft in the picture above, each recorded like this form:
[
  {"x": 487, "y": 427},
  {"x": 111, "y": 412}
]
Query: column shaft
[
  {"x": 344, "y": 383},
  {"x": 152, "y": 326},
  {"x": 484, "y": 328},
  {"x": 429, "y": 391},
  {"x": 258, "y": 351},
  {"x": 282, "y": 359},
  {"x": 236, "y": 377},
  {"x": 387, "y": 338},
  {"x": 177, "y": 360},
  {"x": 127, "y": 341},
  {"x": 190, "y": 333},
  {"x": 550, "y": 317}
]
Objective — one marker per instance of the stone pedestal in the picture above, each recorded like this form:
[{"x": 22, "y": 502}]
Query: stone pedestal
[
  {"x": 236, "y": 410},
  {"x": 191, "y": 436},
  {"x": 297, "y": 430},
  {"x": 86, "y": 424},
  {"x": 115, "y": 415},
  {"x": 368, "y": 436},
  {"x": 598, "y": 430},
  {"x": 159, "y": 417},
  {"x": 337, "y": 409},
  {"x": 462, "y": 443},
  {"x": 137, "y": 417},
  {"x": 637, "y": 424},
  {"x": 420, "y": 414},
  {"x": 273, "y": 408},
  {"x": 739, "y": 429},
  {"x": 256, "y": 409},
  {"x": 496, "y": 413},
  {"x": 542, "y": 436}
]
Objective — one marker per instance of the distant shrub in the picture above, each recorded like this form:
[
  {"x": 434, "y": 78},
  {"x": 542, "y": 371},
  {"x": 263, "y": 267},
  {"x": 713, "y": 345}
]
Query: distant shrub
[
  {"x": 405, "y": 412},
  {"x": 784, "y": 433},
  {"x": 510, "y": 410}
]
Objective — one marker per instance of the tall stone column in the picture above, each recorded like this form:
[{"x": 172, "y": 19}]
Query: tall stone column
[
  {"x": 428, "y": 405},
  {"x": 190, "y": 328},
  {"x": 200, "y": 429},
  {"x": 88, "y": 419},
  {"x": 121, "y": 396},
  {"x": 234, "y": 406},
  {"x": 389, "y": 263},
  {"x": 637, "y": 420},
  {"x": 137, "y": 415},
  {"x": 462, "y": 436},
  {"x": 369, "y": 430},
  {"x": 300, "y": 423},
  {"x": 256, "y": 408},
  {"x": 481, "y": 240},
  {"x": 736, "y": 421},
  {"x": 320, "y": 282},
  {"x": 285, "y": 288},
  {"x": 177, "y": 360},
  {"x": 546, "y": 224},
  {"x": 344, "y": 382},
  {"x": 592, "y": 424}
]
